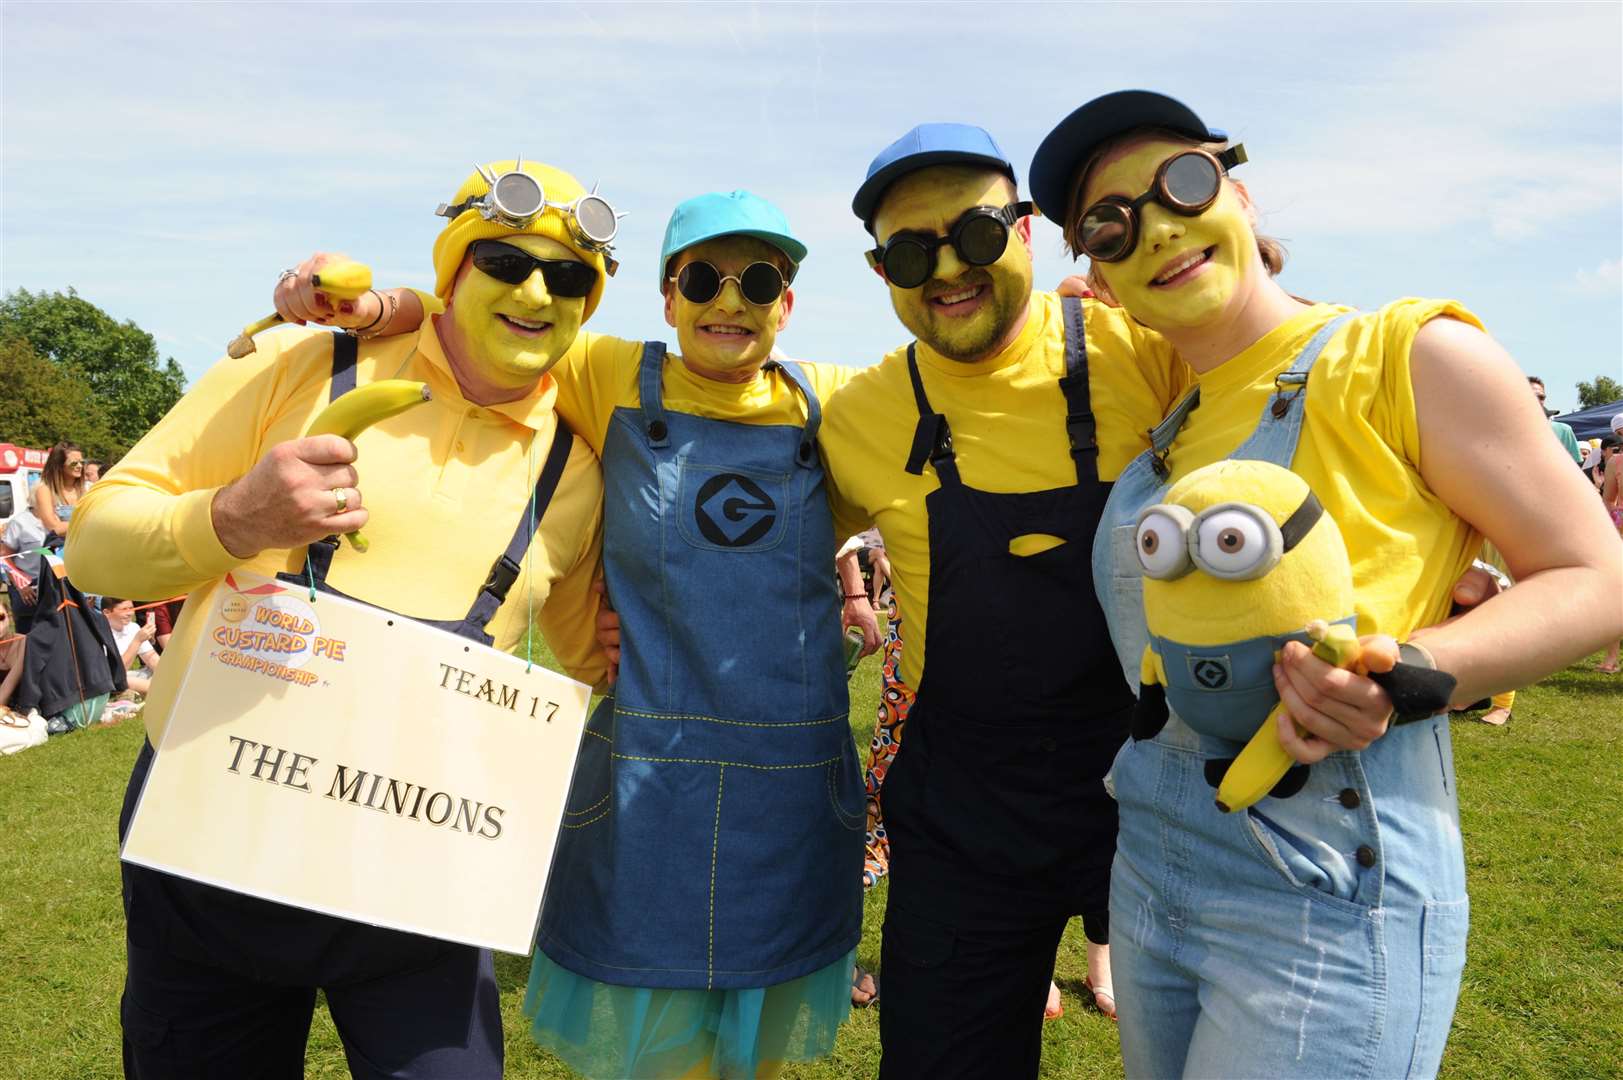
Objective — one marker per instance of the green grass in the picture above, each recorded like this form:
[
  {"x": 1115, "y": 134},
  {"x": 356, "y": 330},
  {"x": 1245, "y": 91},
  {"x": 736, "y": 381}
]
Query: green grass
[{"x": 1541, "y": 804}]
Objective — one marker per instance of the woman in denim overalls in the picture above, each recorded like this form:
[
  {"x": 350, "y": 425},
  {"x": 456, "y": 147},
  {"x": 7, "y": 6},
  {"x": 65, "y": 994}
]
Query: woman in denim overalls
[{"x": 1323, "y": 933}]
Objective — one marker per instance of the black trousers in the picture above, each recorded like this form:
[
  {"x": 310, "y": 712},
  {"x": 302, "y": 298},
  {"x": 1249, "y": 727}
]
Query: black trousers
[
  {"x": 189, "y": 1021},
  {"x": 222, "y": 986},
  {"x": 963, "y": 1001}
]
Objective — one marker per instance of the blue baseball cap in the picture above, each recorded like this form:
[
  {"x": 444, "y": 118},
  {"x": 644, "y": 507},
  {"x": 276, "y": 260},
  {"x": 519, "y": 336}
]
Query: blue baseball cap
[
  {"x": 1066, "y": 147},
  {"x": 926, "y": 145},
  {"x": 735, "y": 213}
]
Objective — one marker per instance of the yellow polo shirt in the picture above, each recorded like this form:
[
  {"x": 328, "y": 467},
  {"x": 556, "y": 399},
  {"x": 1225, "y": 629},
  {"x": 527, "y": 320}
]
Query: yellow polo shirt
[
  {"x": 1359, "y": 452},
  {"x": 446, "y": 484},
  {"x": 1007, "y": 415}
]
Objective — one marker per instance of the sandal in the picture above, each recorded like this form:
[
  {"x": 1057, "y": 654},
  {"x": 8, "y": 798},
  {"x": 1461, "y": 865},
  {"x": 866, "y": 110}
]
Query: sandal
[
  {"x": 1608, "y": 669},
  {"x": 856, "y": 988},
  {"x": 1055, "y": 1008},
  {"x": 1101, "y": 991}
]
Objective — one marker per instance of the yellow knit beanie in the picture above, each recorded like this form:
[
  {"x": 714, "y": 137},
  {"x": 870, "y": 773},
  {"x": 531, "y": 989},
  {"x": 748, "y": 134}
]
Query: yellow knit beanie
[{"x": 469, "y": 226}]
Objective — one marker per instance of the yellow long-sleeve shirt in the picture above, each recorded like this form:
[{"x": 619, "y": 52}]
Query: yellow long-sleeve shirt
[
  {"x": 1007, "y": 415},
  {"x": 445, "y": 483}
]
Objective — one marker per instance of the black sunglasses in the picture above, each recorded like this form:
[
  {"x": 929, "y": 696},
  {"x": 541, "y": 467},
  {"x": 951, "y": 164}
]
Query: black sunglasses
[
  {"x": 513, "y": 266},
  {"x": 979, "y": 236},
  {"x": 761, "y": 283},
  {"x": 1186, "y": 183}
]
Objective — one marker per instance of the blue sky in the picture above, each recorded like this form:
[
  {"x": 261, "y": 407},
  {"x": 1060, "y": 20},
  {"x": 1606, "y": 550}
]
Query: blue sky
[{"x": 167, "y": 160}]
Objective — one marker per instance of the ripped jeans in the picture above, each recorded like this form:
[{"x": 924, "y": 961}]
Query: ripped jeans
[{"x": 1319, "y": 935}]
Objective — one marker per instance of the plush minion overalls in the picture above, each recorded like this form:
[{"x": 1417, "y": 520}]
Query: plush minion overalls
[
  {"x": 401, "y": 1001},
  {"x": 713, "y": 836},
  {"x": 1322, "y": 934}
]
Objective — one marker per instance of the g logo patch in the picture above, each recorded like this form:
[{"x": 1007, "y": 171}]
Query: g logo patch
[
  {"x": 1211, "y": 672},
  {"x": 732, "y": 511}
]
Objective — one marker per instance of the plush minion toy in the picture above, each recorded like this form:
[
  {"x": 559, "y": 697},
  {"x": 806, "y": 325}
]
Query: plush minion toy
[{"x": 1240, "y": 559}]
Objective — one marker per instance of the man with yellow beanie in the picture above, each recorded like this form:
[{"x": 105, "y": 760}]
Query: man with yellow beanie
[{"x": 222, "y": 984}]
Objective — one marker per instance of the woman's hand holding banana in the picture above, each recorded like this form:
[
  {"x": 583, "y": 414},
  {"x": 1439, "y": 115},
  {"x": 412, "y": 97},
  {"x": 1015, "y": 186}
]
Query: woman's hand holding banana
[{"x": 301, "y": 299}]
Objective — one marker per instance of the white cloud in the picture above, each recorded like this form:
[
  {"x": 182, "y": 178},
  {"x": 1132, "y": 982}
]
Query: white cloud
[{"x": 1606, "y": 279}]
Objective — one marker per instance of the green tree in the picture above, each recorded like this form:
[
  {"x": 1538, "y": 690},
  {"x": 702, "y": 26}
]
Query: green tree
[
  {"x": 118, "y": 361},
  {"x": 1602, "y": 391},
  {"x": 45, "y": 402}
]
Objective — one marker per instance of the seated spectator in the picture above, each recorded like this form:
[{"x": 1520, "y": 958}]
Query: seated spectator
[
  {"x": 166, "y": 615},
  {"x": 12, "y": 646},
  {"x": 133, "y": 640},
  {"x": 61, "y": 486},
  {"x": 72, "y": 665},
  {"x": 92, "y": 472},
  {"x": 24, "y": 535}
]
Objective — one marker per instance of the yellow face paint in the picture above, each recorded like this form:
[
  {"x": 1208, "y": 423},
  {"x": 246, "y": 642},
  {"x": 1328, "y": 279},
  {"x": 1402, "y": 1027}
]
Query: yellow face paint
[
  {"x": 729, "y": 338},
  {"x": 1185, "y": 271},
  {"x": 509, "y": 335},
  {"x": 962, "y": 311}
]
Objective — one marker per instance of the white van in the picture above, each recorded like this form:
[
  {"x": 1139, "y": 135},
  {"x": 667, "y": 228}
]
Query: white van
[{"x": 19, "y": 471}]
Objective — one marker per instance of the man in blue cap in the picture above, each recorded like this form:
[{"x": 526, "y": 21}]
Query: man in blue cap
[{"x": 984, "y": 452}]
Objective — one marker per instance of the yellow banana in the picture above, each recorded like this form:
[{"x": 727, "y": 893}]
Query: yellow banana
[
  {"x": 1264, "y": 762},
  {"x": 362, "y": 407},
  {"x": 340, "y": 281},
  {"x": 343, "y": 280}
]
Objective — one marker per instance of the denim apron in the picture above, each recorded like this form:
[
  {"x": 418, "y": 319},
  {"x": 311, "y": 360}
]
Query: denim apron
[
  {"x": 713, "y": 836},
  {"x": 996, "y": 808},
  {"x": 275, "y": 942},
  {"x": 1321, "y": 934}
]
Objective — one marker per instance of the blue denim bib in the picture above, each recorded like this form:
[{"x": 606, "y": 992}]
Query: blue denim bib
[{"x": 713, "y": 836}]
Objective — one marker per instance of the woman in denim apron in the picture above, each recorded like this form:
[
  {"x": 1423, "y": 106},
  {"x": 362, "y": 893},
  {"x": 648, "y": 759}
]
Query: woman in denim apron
[
  {"x": 705, "y": 900},
  {"x": 1322, "y": 933}
]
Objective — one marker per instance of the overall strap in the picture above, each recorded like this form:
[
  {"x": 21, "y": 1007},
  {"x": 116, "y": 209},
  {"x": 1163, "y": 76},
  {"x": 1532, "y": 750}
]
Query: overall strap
[
  {"x": 345, "y": 350},
  {"x": 1280, "y": 427},
  {"x": 1080, "y": 427},
  {"x": 932, "y": 438},
  {"x": 1162, "y": 434},
  {"x": 650, "y": 386},
  {"x": 806, "y": 452},
  {"x": 505, "y": 570}
]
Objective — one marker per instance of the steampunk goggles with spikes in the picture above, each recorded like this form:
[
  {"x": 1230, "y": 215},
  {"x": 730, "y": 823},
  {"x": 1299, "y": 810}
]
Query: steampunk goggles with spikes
[{"x": 516, "y": 198}]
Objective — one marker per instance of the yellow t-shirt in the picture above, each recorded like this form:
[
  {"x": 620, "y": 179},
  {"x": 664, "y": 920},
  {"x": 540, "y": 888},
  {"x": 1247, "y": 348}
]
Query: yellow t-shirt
[
  {"x": 1359, "y": 452},
  {"x": 446, "y": 483},
  {"x": 1007, "y": 415},
  {"x": 600, "y": 374}
]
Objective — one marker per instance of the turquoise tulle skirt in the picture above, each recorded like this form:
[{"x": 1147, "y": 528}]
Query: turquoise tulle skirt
[{"x": 607, "y": 1031}]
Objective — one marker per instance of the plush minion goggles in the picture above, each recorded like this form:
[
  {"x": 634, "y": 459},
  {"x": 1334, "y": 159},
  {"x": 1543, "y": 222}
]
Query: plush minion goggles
[
  {"x": 1233, "y": 541},
  {"x": 508, "y": 197}
]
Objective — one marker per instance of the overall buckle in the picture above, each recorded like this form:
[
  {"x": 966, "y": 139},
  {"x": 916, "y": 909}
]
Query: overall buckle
[{"x": 503, "y": 572}]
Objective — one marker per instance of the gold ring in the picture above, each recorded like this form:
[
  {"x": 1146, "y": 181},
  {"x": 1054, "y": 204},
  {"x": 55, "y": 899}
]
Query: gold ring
[{"x": 341, "y": 499}]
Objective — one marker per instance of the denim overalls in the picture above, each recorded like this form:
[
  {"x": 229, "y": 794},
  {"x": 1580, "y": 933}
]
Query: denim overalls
[
  {"x": 430, "y": 1006},
  {"x": 713, "y": 836},
  {"x": 1317, "y": 935}
]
